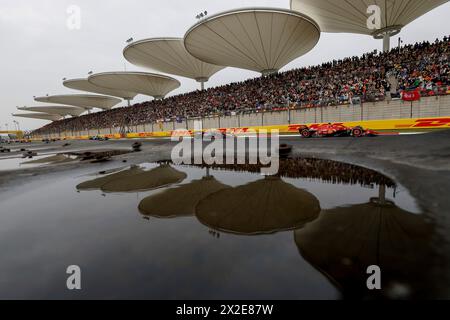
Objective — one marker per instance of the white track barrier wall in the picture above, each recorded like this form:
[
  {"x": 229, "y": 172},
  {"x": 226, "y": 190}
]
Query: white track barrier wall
[{"x": 428, "y": 107}]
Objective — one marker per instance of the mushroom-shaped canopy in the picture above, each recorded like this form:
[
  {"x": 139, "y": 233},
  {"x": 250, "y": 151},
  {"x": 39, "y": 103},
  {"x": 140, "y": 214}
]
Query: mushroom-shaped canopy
[
  {"x": 351, "y": 15},
  {"x": 85, "y": 85},
  {"x": 169, "y": 55},
  {"x": 150, "y": 84},
  {"x": 58, "y": 110},
  {"x": 40, "y": 116},
  {"x": 265, "y": 206},
  {"x": 345, "y": 241},
  {"x": 180, "y": 201},
  {"x": 86, "y": 101},
  {"x": 258, "y": 39}
]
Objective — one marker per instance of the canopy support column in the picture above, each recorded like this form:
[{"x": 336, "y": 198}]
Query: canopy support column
[
  {"x": 382, "y": 194},
  {"x": 386, "y": 43},
  {"x": 385, "y": 34},
  {"x": 202, "y": 81}
]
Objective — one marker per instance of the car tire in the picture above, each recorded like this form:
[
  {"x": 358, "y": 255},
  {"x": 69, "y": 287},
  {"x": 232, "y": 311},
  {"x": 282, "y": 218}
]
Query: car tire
[
  {"x": 305, "y": 133},
  {"x": 357, "y": 132}
]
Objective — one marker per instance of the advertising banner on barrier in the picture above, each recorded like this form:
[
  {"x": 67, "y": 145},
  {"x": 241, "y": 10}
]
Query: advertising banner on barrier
[
  {"x": 391, "y": 125},
  {"x": 411, "y": 95}
]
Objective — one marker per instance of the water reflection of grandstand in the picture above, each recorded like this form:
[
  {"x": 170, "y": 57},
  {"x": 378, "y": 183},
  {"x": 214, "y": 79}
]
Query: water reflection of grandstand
[{"x": 319, "y": 169}]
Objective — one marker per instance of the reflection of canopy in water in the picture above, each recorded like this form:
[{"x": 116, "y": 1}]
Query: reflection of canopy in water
[
  {"x": 100, "y": 182},
  {"x": 264, "y": 206},
  {"x": 135, "y": 179},
  {"x": 161, "y": 176},
  {"x": 59, "y": 158},
  {"x": 180, "y": 201},
  {"x": 345, "y": 241}
]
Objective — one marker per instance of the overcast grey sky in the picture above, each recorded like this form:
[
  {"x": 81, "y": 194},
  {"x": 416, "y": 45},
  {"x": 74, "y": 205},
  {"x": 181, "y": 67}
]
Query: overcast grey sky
[{"x": 38, "y": 50}]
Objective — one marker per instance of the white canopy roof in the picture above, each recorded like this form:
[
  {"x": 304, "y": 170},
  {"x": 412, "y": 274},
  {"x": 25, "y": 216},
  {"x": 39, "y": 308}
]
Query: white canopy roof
[
  {"x": 169, "y": 55},
  {"x": 150, "y": 84},
  {"x": 85, "y": 101},
  {"x": 351, "y": 15},
  {"x": 258, "y": 39},
  {"x": 85, "y": 85},
  {"x": 58, "y": 110},
  {"x": 41, "y": 116}
]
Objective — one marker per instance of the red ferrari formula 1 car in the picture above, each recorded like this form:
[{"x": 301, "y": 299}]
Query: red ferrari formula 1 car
[{"x": 334, "y": 130}]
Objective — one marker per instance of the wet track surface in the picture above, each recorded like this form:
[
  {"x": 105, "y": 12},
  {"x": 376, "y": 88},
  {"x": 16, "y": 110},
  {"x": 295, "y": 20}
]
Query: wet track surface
[{"x": 169, "y": 232}]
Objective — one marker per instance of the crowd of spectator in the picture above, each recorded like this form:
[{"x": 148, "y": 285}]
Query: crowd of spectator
[{"x": 371, "y": 77}]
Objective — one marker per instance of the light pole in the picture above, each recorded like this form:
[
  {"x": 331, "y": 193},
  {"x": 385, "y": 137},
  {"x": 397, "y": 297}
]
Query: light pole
[
  {"x": 125, "y": 63},
  {"x": 17, "y": 125},
  {"x": 400, "y": 41},
  {"x": 201, "y": 15}
]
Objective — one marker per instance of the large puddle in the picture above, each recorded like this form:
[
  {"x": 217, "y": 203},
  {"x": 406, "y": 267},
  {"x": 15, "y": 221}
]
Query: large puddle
[
  {"x": 16, "y": 162},
  {"x": 160, "y": 231},
  {"x": 20, "y": 162}
]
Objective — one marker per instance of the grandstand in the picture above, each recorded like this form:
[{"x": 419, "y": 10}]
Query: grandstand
[{"x": 335, "y": 91}]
